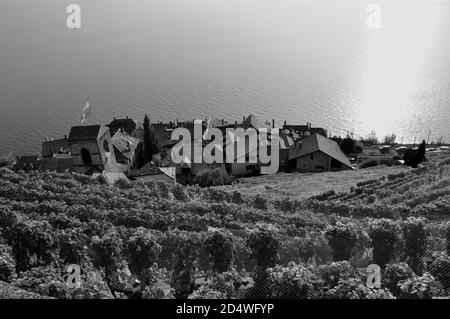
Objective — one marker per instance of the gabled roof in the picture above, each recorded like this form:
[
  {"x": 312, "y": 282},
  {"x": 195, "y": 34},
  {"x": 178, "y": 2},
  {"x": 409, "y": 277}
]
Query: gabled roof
[
  {"x": 315, "y": 143},
  {"x": 85, "y": 133},
  {"x": 303, "y": 129},
  {"x": 128, "y": 125},
  {"x": 125, "y": 144},
  {"x": 54, "y": 146},
  {"x": 253, "y": 121}
]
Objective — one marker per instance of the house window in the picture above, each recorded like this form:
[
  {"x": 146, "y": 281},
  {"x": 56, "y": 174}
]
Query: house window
[
  {"x": 312, "y": 157},
  {"x": 86, "y": 156},
  {"x": 106, "y": 146}
]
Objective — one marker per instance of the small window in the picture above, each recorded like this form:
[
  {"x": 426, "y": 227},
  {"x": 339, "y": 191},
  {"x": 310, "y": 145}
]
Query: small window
[
  {"x": 312, "y": 157},
  {"x": 86, "y": 156},
  {"x": 106, "y": 146}
]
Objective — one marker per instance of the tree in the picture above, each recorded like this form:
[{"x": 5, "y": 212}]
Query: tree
[
  {"x": 370, "y": 139},
  {"x": 150, "y": 141},
  {"x": 348, "y": 145},
  {"x": 414, "y": 157},
  {"x": 389, "y": 139}
]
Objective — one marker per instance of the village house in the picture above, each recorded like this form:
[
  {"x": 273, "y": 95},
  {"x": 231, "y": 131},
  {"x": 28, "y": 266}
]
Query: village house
[
  {"x": 126, "y": 150},
  {"x": 92, "y": 149},
  {"x": 127, "y": 125},
  {"x": 305, "y": 130},
  {"x": 318, "y": 153},
  {"x": 58, "y": 148}
]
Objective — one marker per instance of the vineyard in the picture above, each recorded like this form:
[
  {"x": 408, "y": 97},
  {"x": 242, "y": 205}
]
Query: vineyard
[{"x": 154, "y": 240}]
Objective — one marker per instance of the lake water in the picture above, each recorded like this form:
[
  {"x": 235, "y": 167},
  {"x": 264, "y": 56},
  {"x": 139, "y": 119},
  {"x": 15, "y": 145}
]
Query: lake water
[{"x": 294, "y": 60}]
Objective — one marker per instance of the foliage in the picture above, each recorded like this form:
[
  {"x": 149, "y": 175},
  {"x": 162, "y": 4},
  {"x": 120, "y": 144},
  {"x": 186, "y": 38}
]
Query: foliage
[
  {"x": 293, "y": 282},
  {"x": 342, "y": 238},
  {"x": 142, "y": 250},
  {"x": 264, "y": 245},
  {"x": 395, "y": 273},
  {"x": 212, "y": 177},
  {"x": 220, "y": 251},
  {"x": 423, "y": 287},
  {"x": 415, "y": 237},
  {"x": 384, "y": 236}
]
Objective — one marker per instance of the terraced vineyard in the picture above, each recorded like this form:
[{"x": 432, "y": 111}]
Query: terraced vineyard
[{"x": 153, "y": 240}]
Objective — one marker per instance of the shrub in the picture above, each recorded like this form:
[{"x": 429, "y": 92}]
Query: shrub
[
  {"x": 259, "y": 202},
  {"x": 355, "y": 288},
  {"x": 107, "y": 250},
  {"x": 384, "y": 236},
  {"x": 394, "y": 273},
  {"x": 183, "y": 274},
  {"x": 142, "y": 251},
  {"x": 45, "y": 281},
  {"x": 264, "y": 245},
  {"x": 220, "y": 251},
  {"x": 423, "y": 287},
  {"x": 292, "y": 282},
  {"x": 7, "y": 264},
  {"x": 415, "y": 237},
  {"x": 230, "y": 284},
  {"x": 212, "y": 177},
  {"x": 368, "y": 163},
  {"x": 332, "y": 273},
  {"x": 342, "y": 239},
  {"x": 31, "y": 244},
  {"x": 440, "y": 269}
]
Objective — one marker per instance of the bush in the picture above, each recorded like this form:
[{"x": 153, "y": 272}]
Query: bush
[
  {"x": 440, "y": 269},
  {"x": 292, "y": 282},
  {"x": 212, "y": 177},
  {"x": 7, "y": 264},
  {"x": 106, "y": 251},
  {"x": 424, "y": 287},
  {"x": 368, "y": 163},
  {"x": 259, "y": 202},
  {"x": 220, "y": 250},
  {"x": 31, "y": 244},
  {"x": 225, "y": 285},
  {"x": 183, "y": 274},
  {"x": 342, "y": 239},
  {"x": 142, "y": 251},
  {"x": 332, "y": 273},
  {"x": 355, "y": 288},
  {"x": 415, "y": 237},
  {"x": 384, "y": 236},
  {"x": 395, "y": 273},
  {"x": 264, "y": 245}
]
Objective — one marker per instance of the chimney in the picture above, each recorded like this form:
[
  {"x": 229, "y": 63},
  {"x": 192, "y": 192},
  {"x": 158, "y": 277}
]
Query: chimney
[
  {"x": 243, "y": 118},
  {"x": 235, "y": 124},
  {"x": 222, "y": 121},
  {"x": 273, "y": 123},
  {"x": 114, "y": 117},
  {"x": 65, "y": 137},
  {"x": 127, "y": 117},
  {"x": 285, "y": 122}
]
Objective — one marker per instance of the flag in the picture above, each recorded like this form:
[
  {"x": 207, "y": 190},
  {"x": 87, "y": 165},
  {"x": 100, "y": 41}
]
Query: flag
[
  {"x": 208, "y": 125},
  {"x": 86, "y": 111}
]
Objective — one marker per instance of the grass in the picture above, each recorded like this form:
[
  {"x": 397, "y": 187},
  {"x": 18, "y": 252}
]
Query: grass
[{"x": 303, "y": 185}]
